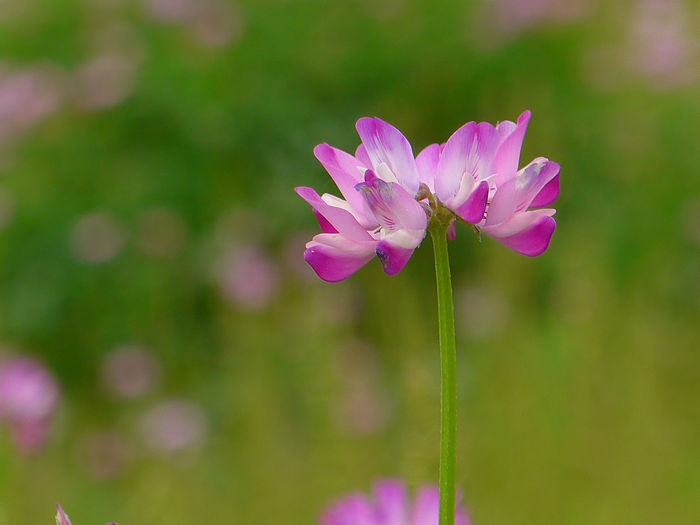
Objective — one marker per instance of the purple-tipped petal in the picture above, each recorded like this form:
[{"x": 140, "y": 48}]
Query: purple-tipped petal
[
  {"x": 339, "y": 219},
  {"x": 427, "y": 163},
  {"x": 393, "y": 207},
  {"x": 386, "y": 145},
  {"x": 533, "y": 239},
  {"x": 474, "y": 207},
  {"x": 391, "y": 502},
  {"x": 335, "y": 258},
  {"x": 508, "y": 154},
  {"x": 517, "y": 194},
  {"x": 549, "y": 193},
  {"x": 344, "y": 169},
  {"x": 393, "y": 256},
  {"x": 61, "y": 516}
]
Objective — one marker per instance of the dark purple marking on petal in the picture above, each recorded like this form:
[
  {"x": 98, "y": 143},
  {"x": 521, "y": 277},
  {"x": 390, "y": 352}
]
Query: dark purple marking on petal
[{"x": 474, "y": 207}]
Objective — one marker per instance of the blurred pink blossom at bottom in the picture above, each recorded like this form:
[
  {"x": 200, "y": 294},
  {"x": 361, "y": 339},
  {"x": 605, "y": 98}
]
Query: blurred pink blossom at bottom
[
  {"x": 389, "y": 505},
  {"x": 29, "y": 397}
]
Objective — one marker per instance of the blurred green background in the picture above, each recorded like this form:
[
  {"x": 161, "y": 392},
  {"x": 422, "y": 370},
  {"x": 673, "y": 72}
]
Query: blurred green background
[{"x": 148, "y": 151}]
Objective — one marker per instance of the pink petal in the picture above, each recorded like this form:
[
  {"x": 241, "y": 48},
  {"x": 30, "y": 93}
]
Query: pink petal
[
  {"x": 519, "y": 192},
  {"x": 386, "y": 144},
  {"x": 451, "y": 163},
  {"x": 335, "y": 257},
  {"x": 474, "y": 207},
  {"x": 326, "y": 227},
  {"x": 393, "y": 256},
  {"x": 337, "y": 218},
  {"x": 391, "y": 502},
  {"x": 508, "y": 154},
  {"x": 353, "y": 510},
  {"x": 345, "y": 170},
  {"x": 61, "y": 516},
  {"x": 427, "y": 162},
  {"x": 361, "y": 155},
  {"x": 549, "y": 193},
  {"x": 527, "y": 233},
  {"x": 393, "y": 207},
  {"x": 466, "y": 159},
  {"x": 426, "y": 506}
]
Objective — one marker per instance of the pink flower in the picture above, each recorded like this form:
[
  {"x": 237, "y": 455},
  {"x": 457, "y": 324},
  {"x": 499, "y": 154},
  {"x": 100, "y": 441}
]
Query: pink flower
[
  {"x": 390, "y": 505},
  {"x": 390, "y": 197},
  {"x": 478, "y": 168},
  {"x": 379, "y": 214},
  {"x": 28, "y": 399},
  {"x": 63, "y": 519}
]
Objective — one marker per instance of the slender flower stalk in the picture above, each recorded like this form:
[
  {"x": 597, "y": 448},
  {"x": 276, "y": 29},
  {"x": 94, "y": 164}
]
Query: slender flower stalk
[{"x": 448, "y": 373}]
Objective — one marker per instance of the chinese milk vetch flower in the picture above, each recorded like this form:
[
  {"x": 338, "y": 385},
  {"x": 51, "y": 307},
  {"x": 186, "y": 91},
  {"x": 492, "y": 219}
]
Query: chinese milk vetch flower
[
  {"x": 389, "y": 505},
  {"x": 29, "y": 397},
  {"x": 390, "y": 197},
  {"x": 477, "y": 178},
  {"x": 379, "y": 214},
  {"x": 63, "y": 519}
]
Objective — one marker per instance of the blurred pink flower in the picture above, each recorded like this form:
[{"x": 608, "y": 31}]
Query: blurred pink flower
[
  {"x": 105, "y": 80},
  {"x": 513, "y": 16},
  {"x": 96, "y": 238},
  {"x": 212, "y": 22},
  {"x": 661, "y": 44},
  {"x": 169, "y": 11},
  {"x": 130, "y": 371},
  {"x": 26, "y": 96},
  {"x": 389, "y": 505},
  {"x": 63, "y": 519},
  {"x": 248, "y": 278},
  {"x": 29, "y": 397},
  {"x": 173, "y": 425}
]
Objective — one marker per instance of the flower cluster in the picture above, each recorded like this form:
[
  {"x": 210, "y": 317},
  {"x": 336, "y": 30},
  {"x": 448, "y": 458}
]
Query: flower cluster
[
  {"x": 390, "y": 505},
  {"x": 390, "y": 197}
]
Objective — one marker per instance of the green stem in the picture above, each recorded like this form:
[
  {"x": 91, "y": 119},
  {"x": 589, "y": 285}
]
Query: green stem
[{"x": 448, "y": 372}]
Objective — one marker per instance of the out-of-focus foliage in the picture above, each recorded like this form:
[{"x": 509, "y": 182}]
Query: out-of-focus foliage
[{"x": 150, "y": 255}]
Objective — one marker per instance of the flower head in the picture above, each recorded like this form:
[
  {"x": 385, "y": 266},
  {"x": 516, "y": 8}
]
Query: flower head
[
  {"x": 477, "y": 178},
  {"x": 379, "y": 213},
  {"x": 390, "y": 197},
  {"x": 389, "y": 505}
]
